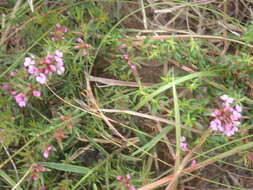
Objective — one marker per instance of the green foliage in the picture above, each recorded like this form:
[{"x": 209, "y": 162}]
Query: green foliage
[{"x": 188, "y": 74}]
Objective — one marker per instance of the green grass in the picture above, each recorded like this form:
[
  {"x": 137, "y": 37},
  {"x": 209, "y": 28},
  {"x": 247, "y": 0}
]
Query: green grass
[{"x": 103, "y": 129}]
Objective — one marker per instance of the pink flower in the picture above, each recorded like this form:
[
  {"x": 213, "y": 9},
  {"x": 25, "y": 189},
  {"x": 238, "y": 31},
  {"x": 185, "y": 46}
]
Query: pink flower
[
  {"x": 235, "y": 115},
  {"x": 6, "y": 87},
  {"x": 32, "y": 69},
  {"x": 193, "y": 163},
  {"x": 215, "y": 124},
  {"x": 52, "y": 68},
  {"x": 58, "y": 53},
  {"x": 60, "y": 69},
  {"x": 216, "y": 113},
  {"x": 82, "y": 46},
  {"x": 36, "y": 170},
  {"x": 13, "y": 73},
  {"x": 47, "y": 151},
  {"x": 79, "y": 40},
  {"x": 20, "y": 99},
  {"x": 46, "y": 71},
  {"x": 13, "y": 93},
  {"x": 119, "y": 177},
  {"x": 58, "y": 60},
  {"x": 128, "y": 176},
  {"x": 238, "y": 108},
  {"x": 41, "y": 78},
  {"x": 133, "y": 66},
  {"x": 126, "y": 56},
  {"x": 58, "y": 32},
  {"x": 125, "y": 181},
  {"x": 226, "y": 119},
  {"x": 227, "y": 99},
  {"x": 28, "y": 61},
  {"x": 36, "y": 93},
  {"x": 183, "y": 144}
]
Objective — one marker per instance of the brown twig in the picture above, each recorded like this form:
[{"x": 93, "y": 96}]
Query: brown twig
[
  {"x": 113, "y": 82},
  {"x": 92, "y": 99}
]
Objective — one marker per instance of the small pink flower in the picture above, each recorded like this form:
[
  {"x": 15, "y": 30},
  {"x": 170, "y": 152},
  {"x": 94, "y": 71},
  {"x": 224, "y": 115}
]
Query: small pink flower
[
  {"x": 119, "y": 177},
  {"x": 235, "y": 115},
  {"x": 28, "y": 61},
  {"x": 47, "y": 151},
  {"x": 36, "y": 170},
  {"x": 46, "y": 71},
  {"x": 58, "y": 60},
  {"x": 227, "y": 99},
  {"x": 193, "y": 162},
  {"x": 13, "y": 73},
  {"x": 79, "y": 40},
  {"x": 60, "y": 69},
  {"x": 48, "y": 60},
  {"x": 238, "y": 108},
  {"x": 133, "y": 66},
  {"x": 58, "y": 53},
  {"x": 224, "y": 97},
  {"x": 20, "y": 99},
  {"x": 6, "y": 87},
  {"x": 126, "y": 56},
  {"x": 215, "y": 124},
  {"x": 36, "y": 93},
  {"x": 13, "y": 93},
  {"x": 61, "y": 28},
  {"x": 52, "y": 68},
  {"x": 128, "y": 176},
  {"x": 58, "y": 32},
  {"x": 216, "y": 113},
  {"x": 32, "y": 69},
  {"x": 125, "y": 181},
  {"x": 41, "y": 78},
  {"x": 183, "y": 144}
]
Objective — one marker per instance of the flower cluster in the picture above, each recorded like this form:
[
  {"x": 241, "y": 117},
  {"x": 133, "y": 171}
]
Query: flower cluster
[
  {"x": 129, "y": 62},
  {"x": 125, "y": 181},
  {"x": 22, "y": 97},
  {"x": 46, "y": 66},
  {"x": 36, "y": 170},
  {"x": 58, "y": 32},
  {"x": 227, "y": 118},
  {"x": 82, "y": 46}
]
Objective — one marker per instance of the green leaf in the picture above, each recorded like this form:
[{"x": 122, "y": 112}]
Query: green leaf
[{"x": 66, "y": 167}]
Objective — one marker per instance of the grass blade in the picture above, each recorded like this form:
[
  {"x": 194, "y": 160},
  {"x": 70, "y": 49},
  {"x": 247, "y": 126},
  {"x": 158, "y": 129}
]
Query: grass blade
[
  {"x": 169, "y": 85},
  {"x": 66, "y": 167}
]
